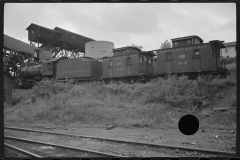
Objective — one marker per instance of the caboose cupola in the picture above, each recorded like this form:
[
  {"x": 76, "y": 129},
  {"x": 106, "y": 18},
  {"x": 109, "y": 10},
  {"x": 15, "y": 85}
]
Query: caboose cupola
[{"x": 186, "y": 41}]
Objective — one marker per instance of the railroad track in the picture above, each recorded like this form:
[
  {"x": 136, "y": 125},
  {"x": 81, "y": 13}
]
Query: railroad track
[
  {"x": 32, "y": 143},
  {"x": 164, "y": 148},
  {"x": 20, "y": 152}
]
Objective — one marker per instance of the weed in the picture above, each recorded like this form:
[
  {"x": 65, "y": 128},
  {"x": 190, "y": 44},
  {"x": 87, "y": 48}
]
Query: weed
[{"x": 150, "y": 104}]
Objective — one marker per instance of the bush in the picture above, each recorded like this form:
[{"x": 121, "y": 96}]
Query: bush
[
  {"x": 45, "y": 88},
  {"x": 20, "y": 96},
  {"x": 121, "y": 104}
]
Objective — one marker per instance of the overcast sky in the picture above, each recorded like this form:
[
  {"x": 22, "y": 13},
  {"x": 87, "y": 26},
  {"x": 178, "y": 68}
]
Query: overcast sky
[{"x": 124, "y": 24}]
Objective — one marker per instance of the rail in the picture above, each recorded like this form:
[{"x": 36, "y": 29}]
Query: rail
[
  {"x": 61, "y": 146},
  {"x": 200, "y": 150},
  {"x": 20, "y": 151}
]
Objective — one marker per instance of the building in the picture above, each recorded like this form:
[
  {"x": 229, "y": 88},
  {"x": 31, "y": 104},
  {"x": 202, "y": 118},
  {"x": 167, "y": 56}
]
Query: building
[
  {"x": 230, "y": 50},
  {"x": 61, "y": 42},
  {"x": 8, "y": 86}
]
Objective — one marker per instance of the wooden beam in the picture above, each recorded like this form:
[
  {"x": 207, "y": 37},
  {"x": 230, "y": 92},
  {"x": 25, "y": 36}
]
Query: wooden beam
[{"x": 19, "y": 58}]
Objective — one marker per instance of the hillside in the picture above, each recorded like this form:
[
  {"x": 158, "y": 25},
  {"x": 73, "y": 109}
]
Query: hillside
[{"x": 153, "y": 104}]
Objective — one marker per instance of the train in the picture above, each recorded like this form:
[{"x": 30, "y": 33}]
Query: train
[{"x": 188, "y": 56}]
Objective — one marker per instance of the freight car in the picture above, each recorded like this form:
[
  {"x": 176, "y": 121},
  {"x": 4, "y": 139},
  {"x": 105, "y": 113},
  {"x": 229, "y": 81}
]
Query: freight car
[
  {"x": 128, "y": 63},
  {"x": 81, "y": 69},
  {"x": 190, "y": 56}
]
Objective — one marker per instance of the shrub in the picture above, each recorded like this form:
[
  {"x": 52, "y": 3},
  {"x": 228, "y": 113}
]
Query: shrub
[
  {"x": 45, "y": 88},
  {"x": 20, "y": 96},
  {"x": 60, "y": 100}
]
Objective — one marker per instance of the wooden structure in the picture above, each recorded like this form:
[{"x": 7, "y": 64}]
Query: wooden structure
[
  {"x": 128, "y": 63},
  {"x": 60, "y": 42},
  {"x": 190, "y": 59},
  {"x": 126, "y": 50},
  {"x": 186, "y": 41},
  {"x": 17, "y": 54},
  {"x": 7, "y": 90},
  {"x": 39, "y": 35}
]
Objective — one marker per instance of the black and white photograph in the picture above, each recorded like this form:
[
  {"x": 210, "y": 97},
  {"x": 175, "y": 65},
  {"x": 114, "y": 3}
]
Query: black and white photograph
[{"x": 120, "y": 80}]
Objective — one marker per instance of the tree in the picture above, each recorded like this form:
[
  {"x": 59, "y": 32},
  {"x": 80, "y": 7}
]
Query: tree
[
  {"x": 166, "y": 44},
  {"x": 140, "y": 47}
]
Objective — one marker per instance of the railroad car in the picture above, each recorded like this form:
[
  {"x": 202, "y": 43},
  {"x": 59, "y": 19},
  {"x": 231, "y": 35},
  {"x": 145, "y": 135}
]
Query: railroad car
[
  {"x": 190, "y": 56},
  {"x": 83, "y": 69},
  {"x": 128, "y": 63}
]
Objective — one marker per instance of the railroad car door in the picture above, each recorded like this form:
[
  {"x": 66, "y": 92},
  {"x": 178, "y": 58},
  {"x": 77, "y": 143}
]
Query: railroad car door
[
  {"x": 218, "y": 57},
  {"x": 214, "y": 59},
  {"x": 168, "y": 63},
  {"x": 110, "y": 68},
  {"x": 145, "y": 64},
  {"x": 129, "y": 65},
  {"x": 54, "y": 69},
  {"x": 150, "y": 64},
  {"x": 196, "y": 60},
  {"x": 140, "y": 64}
]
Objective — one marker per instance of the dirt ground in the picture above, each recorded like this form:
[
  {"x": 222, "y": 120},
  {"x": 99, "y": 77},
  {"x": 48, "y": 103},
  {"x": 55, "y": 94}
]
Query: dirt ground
[
  {"x": 217, "y": 139},
  {"x": 216, "y": 130}
]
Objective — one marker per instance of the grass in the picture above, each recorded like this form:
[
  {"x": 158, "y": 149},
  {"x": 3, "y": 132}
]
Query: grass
[{"x": 157, "y": 103}]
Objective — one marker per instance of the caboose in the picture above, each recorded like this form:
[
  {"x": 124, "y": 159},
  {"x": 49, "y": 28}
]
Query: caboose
[
  {"x": 128, "y": 64},
  {"x": 190, "y": 56}
]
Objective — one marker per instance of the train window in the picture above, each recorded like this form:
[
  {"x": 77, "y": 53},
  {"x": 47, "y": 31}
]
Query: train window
[
  {"x": 150, "y": 61},
  {"x": 49, "y": 65},
  {"x": 145, "y": 58},
  {"x": 128, "y": 50},
  {"x": 196, "y": 53},
  {"x": 5, "y": 95},
  {"x": 176, "y": 43},
  {"x": 73, "y": 36},
  {"x": 129, "y": 61},
  {"x": 213, "y": 52},
  {"x": 226, "y": 50},
  {"x": 188, "y": 41},
  {"x": 110, "y": 64},
  {"x": 33, "y": 31},
  {"x": 141, "y": 60},
  {"x": 168, "y": 56},
  {"x": 37, "y": 53}
]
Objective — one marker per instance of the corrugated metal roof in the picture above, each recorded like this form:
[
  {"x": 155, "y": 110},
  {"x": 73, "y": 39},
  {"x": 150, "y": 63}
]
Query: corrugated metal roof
[
  {"x": 17, "y": 45},
  {"x": 32, "y": 24},
  {"x": 57, "y": 28},
  {"x": 230, "y": 44},
  {"x": 20, "y": 46}
]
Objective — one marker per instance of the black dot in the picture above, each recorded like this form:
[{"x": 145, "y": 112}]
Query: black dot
[{"x": 188, "y": 124}]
